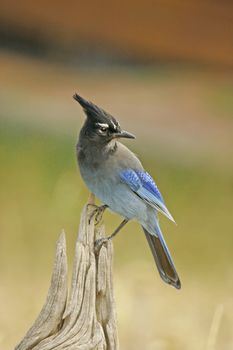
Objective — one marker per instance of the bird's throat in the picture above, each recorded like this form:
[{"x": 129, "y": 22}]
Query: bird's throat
[{"x": 93, "y": 155}]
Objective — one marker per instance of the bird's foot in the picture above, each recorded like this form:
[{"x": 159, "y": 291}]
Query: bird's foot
[
  {"x": 99, "y": 242},
  {"x": 98, "y": 213}
]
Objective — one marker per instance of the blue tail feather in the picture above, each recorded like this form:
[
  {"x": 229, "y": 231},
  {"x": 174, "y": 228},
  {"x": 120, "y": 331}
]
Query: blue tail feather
[{"x": 163, "y": 257}]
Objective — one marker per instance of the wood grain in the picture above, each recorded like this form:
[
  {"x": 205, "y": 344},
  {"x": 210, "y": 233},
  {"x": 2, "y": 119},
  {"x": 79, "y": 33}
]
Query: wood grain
[{"x": 87, "y": 318}]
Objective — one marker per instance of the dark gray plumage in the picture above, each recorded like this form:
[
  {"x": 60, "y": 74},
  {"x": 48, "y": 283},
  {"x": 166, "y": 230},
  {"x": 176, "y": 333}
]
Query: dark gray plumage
[{"x": 116, "y": 176}]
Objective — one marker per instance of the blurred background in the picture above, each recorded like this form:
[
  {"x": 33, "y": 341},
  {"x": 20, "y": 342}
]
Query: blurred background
[{"x": 164, "y": 69}]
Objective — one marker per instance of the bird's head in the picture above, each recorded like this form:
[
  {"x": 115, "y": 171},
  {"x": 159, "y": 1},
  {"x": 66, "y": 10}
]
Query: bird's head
[{"x": 100, "y": 127}]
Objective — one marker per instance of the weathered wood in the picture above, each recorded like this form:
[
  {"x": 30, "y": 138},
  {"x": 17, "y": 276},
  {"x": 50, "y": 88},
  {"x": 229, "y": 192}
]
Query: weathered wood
[{"x": 87, "y": 318}]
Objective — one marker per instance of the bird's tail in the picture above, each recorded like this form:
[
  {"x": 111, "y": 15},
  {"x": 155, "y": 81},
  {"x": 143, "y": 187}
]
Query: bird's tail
[{"x": 163, "y": 258}]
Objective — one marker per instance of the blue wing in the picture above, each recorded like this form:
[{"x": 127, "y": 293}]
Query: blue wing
[{"x": 144, "y": 186}]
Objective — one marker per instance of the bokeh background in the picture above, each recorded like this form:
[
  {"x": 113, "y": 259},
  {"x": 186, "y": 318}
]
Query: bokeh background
[{"x": 164, "y": 69}]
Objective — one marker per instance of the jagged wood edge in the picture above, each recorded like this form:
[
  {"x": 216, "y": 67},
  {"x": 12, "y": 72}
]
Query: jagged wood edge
[
  {"x": 88, "y": 320},
  {"x": 50, "y": 317}
]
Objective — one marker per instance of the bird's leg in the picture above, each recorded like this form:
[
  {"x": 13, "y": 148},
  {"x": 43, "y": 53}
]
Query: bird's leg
[
  {"x": 98, "y": 213},
  {"x": 122, "y": 224},
  {"x": 99, "y": 242}
]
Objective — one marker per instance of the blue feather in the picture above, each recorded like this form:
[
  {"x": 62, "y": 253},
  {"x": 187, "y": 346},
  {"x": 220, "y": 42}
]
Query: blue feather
[
  {"x": 144, "y": 186},
  {"x": 149, "y": 184},
  {"x": 131, "y": 178}
]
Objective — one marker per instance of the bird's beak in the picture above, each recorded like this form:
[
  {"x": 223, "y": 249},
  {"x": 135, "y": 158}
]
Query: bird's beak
[{"x": 124, "y": 134}]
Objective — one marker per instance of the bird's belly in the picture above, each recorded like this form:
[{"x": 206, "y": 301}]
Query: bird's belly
[
  {"x": 124, "y": 202},
  {"x": 117, "y": 196}
]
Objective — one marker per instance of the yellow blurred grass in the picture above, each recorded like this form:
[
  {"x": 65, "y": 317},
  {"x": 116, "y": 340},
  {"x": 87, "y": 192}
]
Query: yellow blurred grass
[
  {"x": 42, "y": 192},
  {"x": 185, "y": 141}
]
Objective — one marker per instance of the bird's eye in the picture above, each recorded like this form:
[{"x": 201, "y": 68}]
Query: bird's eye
[{"x": 102, "y": 129}]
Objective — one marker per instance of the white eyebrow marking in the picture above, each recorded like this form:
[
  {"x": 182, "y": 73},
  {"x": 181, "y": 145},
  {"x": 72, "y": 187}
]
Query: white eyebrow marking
[
  {"x": 103, "y": 125},
  {"x": 114, "y": 125}
]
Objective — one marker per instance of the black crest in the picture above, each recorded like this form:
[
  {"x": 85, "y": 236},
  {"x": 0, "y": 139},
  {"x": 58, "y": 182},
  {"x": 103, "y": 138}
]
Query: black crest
[{"x": 95, "y": 113}]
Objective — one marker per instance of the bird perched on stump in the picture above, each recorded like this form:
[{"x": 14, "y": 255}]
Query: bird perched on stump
[{"x": 116, "y": 176}]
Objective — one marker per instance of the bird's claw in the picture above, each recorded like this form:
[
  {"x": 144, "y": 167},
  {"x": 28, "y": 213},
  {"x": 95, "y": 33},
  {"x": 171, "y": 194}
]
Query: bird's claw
[
  {"x": 97, "y": 213},
  {"x": 99, "y": 242}
]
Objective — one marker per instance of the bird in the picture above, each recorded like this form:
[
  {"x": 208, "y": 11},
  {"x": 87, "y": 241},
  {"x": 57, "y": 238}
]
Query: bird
[{"x": 114, "y": 174}]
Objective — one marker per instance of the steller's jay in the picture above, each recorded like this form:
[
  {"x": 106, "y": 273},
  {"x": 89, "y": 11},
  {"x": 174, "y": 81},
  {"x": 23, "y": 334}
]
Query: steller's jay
[{"x": 116, "y": 176}]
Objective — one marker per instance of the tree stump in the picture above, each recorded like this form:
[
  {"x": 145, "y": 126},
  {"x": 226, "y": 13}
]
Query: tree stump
[{"x": 87, "y": 318}]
